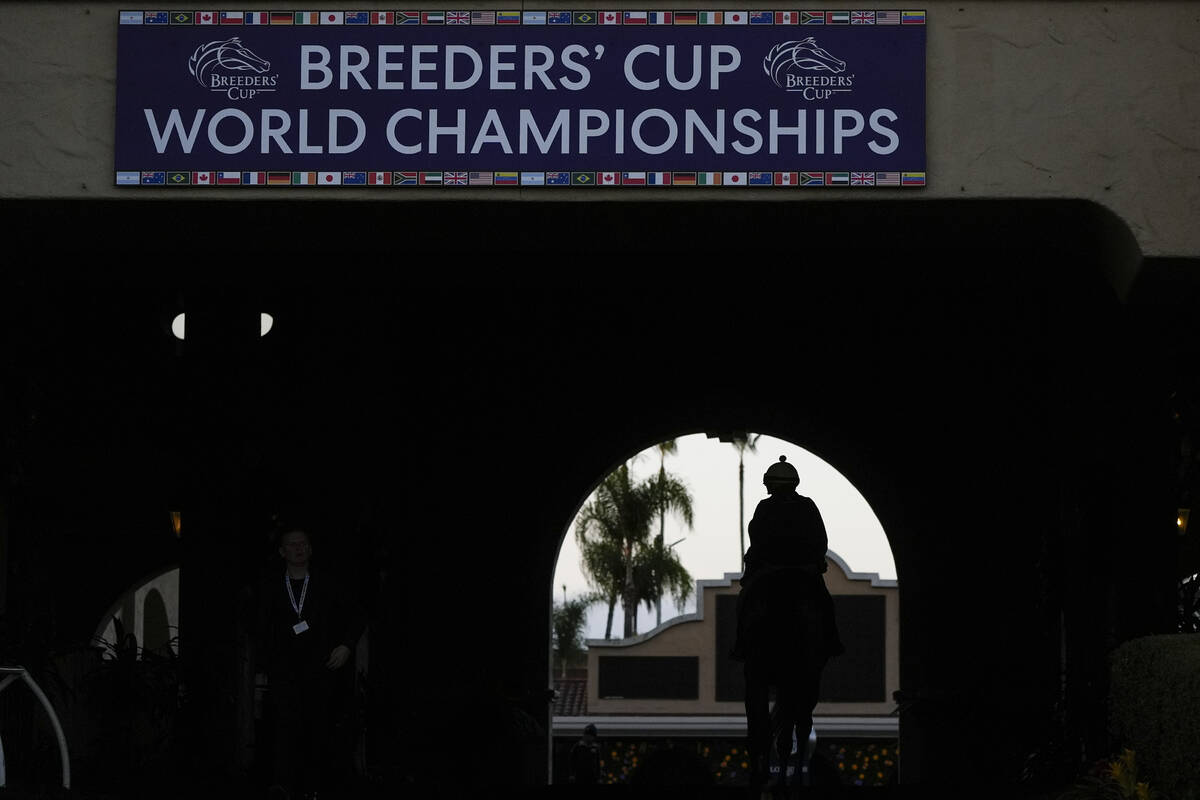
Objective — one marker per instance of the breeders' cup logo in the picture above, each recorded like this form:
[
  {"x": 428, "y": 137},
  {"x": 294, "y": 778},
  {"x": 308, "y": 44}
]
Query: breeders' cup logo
[
  {"x": 212, "y": 64},
  {"x": 806, "y": 67}
]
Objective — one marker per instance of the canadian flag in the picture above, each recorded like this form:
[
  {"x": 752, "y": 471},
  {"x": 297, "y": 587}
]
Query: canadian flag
[
  {"x": 609, "y": 179},
  {"x": 610, "y": 18},
  {"x": 202, "y": 178},
  {"x": 206, "y": 18}
]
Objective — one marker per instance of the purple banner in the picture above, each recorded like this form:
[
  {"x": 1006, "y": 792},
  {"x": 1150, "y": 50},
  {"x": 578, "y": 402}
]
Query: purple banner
[{"x": 494, "y": 98}]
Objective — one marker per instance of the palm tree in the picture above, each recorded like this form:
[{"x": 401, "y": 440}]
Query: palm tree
[
  {"x": 665, "y": 448},
  {"x": 613, "y": 531},
  {"x": 742, "y": 442},
  {"x": 569, "y": 619}
]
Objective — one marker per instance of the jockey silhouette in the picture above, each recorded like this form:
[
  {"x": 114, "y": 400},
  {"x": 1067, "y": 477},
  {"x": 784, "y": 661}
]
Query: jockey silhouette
[{"x": 786, "y": 630}]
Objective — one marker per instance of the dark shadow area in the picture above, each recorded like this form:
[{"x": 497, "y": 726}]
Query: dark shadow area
[{"x": 972, "y": 367}]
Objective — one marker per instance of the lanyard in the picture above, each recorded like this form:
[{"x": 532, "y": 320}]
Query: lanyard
[{"x": 298, "y": 608}]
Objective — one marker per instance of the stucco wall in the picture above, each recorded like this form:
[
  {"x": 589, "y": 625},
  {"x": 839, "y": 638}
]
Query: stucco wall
[
  {"x": 695, "y": 636},
  {"x": 1088, "y": 100}
]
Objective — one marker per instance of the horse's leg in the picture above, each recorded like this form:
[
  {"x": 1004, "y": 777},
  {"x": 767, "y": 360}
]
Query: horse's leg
[
  {"x": 758, "y": 721},
  {"x": 785, "y": 707}
]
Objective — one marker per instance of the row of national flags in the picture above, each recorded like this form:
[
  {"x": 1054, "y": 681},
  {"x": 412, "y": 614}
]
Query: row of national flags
[
  {"x": 623, "y": 17},
  {"x": 464, "y": 178}
]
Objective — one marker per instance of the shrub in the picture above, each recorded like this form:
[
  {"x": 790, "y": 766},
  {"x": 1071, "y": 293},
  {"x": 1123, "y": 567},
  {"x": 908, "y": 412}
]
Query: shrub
[{"x": 1154, "y": 707}]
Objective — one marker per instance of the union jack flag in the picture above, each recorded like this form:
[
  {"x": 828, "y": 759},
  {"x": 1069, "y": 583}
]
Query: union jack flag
[
  {"x": 862, "y": 178},
  {"x": 458, "y": 18},
  {"x": 454, "y": 178},
  {"x": 862, "y": 17}
]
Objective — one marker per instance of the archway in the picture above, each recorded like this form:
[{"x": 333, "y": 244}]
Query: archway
[{"x": 613, "y": 685}]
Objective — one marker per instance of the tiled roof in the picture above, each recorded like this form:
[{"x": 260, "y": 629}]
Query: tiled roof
[{"x": 572, "y": 697}]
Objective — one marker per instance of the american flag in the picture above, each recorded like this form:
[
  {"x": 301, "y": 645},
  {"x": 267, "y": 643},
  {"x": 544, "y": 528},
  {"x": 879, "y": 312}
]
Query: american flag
[
  {"x": 458, "y": 18},
  {"x": 454, "y": 178},
  {"x": 887, "y": 17},
  {"x": 483, "y": 17},
  {"x": 887, "y": 178},
  {"x": 862, "y": 18},
  {"x": 480, "y": 179},
  {"x": 862, "y": 178}
]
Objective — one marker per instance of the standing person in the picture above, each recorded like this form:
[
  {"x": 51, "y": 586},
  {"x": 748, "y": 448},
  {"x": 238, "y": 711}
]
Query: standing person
[
  {"x": 585, "y": 758},
  {"x": 308, "y": 627},
  {"x": 786, "y": 628}
]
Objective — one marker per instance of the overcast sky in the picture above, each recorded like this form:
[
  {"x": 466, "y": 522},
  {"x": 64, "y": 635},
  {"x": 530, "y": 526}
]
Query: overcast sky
[{"x": 710, "y": 469}]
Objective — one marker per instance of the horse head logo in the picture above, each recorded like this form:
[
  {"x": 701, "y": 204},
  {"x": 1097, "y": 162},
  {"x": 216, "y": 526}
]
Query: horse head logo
[
  {"x": 805, "y": 54},
  {"x": 230, "y": 54}
]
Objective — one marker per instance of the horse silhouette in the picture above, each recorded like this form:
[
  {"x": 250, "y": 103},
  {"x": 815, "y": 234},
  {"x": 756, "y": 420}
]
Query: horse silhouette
[
  {"x": 805, "y": 54},
  {"x": 230, "y": 54}
]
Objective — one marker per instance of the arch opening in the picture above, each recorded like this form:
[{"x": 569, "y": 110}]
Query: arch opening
[{"x": 664, "y": 675}]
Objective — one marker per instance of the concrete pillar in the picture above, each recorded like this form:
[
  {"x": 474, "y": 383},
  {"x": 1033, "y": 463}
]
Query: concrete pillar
[{"x": 222, "y": 334}]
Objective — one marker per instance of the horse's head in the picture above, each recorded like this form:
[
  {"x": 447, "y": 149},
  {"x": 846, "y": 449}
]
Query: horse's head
[
  {"x": 230, "y": 54},
  {"x": 235, "y": 55},
  {"x": 807, "y": 54}
]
